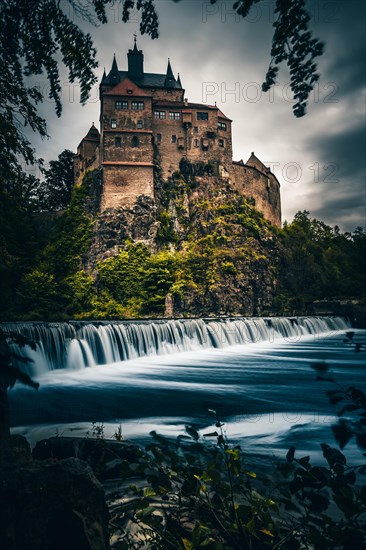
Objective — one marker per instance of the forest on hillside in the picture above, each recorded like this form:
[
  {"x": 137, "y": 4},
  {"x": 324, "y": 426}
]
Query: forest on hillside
[{"x": 223, "y": 251}]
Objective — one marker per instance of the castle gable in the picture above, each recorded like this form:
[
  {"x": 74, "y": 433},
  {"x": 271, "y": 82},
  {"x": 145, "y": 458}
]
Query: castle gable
[
  {"x": 127, "y": 87},
  {"x": 254, "y": 162}
]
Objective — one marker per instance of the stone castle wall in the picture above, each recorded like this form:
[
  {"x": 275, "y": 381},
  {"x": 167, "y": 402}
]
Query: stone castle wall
[
  {"x": 122, "y": 184},
  {"x": 263, "y": 188}
]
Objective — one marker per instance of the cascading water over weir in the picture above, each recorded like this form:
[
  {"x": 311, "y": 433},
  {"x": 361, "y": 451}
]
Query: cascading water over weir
[{"x": 76, "y": 345}]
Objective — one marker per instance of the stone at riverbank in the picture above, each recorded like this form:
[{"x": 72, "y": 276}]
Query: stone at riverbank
[
  {"x": 52, "y": 505},
  {"x": 107, "y": 458}
]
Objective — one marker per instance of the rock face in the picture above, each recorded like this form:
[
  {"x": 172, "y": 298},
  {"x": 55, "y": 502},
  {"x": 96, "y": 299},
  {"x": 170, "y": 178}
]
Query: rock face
[
  {"x": 113, "y": 227},
  {"x": 53, "y": 505},
  {"x": 228, "y": 250}
]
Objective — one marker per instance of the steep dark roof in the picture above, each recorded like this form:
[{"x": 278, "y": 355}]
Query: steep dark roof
[
  {"x": 92, "y": 135},
  {"x": 149, "y": 80}
]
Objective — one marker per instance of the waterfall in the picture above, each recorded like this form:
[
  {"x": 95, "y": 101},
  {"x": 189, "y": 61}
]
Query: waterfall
[{"x": 76, "y": 345}]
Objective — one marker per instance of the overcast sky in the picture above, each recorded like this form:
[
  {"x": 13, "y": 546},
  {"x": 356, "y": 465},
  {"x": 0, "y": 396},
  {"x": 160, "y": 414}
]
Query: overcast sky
[{"x": 318, "y": 159}]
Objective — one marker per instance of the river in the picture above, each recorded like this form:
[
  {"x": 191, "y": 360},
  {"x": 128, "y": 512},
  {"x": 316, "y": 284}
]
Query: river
[{"x": 163, "y": 375}]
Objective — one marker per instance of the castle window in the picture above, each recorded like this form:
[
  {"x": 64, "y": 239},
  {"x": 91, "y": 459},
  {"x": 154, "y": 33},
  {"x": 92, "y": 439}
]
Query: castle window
[
  {"x": 196, "y": 143},
  {"x": 221, "y": 143},
  {"x": 135, "y": 141},
  {"x": 118, "y": 142},
  {"x": 174, "y": 139},
  {"x": 222, "y": 126},
  {"x": 113, "y": 123},
  {"x": 139, "y": 124},
  {"x": 202, "y": 116},
  {"x": 121, "y": 105},
  {"x": 137, "y": 105},
  {"x": 180, "y": 143},
  {"x": 158, "y": 137},
  {"x": 160, "y": 114},
  {"x": 196, "y": 129},
  {"x": 174, "y": 115}
]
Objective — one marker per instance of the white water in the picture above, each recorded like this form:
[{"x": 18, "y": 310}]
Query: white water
[
  {"x": 254, "y": 372},
  {"x": 76, "y": 346}
]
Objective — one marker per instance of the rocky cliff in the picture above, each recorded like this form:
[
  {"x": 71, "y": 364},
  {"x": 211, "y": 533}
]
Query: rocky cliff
[{"x": 222, "y": 252}]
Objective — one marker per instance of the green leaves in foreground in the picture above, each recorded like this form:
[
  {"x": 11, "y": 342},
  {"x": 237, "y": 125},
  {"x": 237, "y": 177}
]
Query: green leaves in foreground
[{"x": 193, "y": 494}]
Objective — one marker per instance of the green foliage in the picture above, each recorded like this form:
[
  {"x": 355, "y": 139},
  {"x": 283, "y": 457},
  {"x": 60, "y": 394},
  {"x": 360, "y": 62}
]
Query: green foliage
[
  {"x": 166, "y": 232},
  {"x": 19, "y": 244},
  {"x": 71, "y": 235},
  {"x": 54, "y": 192},
  {"x": 34, "y": 36},
  {"x": 318, "y": 262},
  {"x": 198, "y": 495},
  {"x": 39, "y": 294}
]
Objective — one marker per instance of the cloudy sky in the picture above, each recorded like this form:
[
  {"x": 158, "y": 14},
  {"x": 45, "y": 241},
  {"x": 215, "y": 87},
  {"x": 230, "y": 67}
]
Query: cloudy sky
[{"x": 318, "y": 159}]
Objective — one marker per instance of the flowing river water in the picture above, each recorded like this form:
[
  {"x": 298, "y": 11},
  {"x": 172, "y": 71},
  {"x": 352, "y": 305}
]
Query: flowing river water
[{"x": 162, "y": 375}]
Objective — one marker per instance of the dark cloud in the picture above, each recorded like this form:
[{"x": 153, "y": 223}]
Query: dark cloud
[{"x": 346, "y": 150}]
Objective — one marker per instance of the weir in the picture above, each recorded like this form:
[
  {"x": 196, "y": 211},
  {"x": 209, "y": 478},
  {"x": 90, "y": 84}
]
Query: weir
[{"x": 77, "y": 345}]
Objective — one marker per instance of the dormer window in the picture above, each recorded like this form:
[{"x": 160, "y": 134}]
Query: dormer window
[
  {"x": 113, "y": 123},
  {"x": 130, "y": 91}
]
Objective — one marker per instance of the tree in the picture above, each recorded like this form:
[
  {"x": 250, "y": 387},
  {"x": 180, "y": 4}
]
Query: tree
[
  {"x": 54, "y": 192},
  {"x": 34, "y": 34},
  {"x": 9, "y": 375}
]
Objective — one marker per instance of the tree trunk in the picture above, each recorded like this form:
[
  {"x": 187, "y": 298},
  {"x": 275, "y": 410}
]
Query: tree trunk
[{"x": 4, "y": 423}]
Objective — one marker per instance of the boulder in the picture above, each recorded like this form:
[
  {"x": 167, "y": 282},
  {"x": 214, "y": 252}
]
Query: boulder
[
  {"x": 52, "y": 505},
  {"x": 107, "y": 458}
]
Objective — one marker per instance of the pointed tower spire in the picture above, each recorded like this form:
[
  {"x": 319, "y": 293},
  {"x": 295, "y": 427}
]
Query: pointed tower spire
[
  {"x": 169, "y": 79},
  {"x": 104, "y": 77},
  {"x": 114, "y": 64},
  {"x": 179, "y": 84},
  {"x": 135, "y": 50},
  {"x": 114, "y": 74},
  {"x": 169, "y": 71}
]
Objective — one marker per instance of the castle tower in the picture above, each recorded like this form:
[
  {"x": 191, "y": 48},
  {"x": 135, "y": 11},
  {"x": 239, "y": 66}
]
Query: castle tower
[
  {"x": 147, "y": 126},
  {"x": 126, "y": 138},
  {"x": 87, "y": 155},
  {"x": 135, "y": 62}
]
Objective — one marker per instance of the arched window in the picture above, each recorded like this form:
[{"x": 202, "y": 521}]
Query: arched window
[{"x": 135, "y": 141}]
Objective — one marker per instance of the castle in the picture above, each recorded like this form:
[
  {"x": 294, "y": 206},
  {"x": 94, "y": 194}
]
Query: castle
[{"x": 147, "y": 127}]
